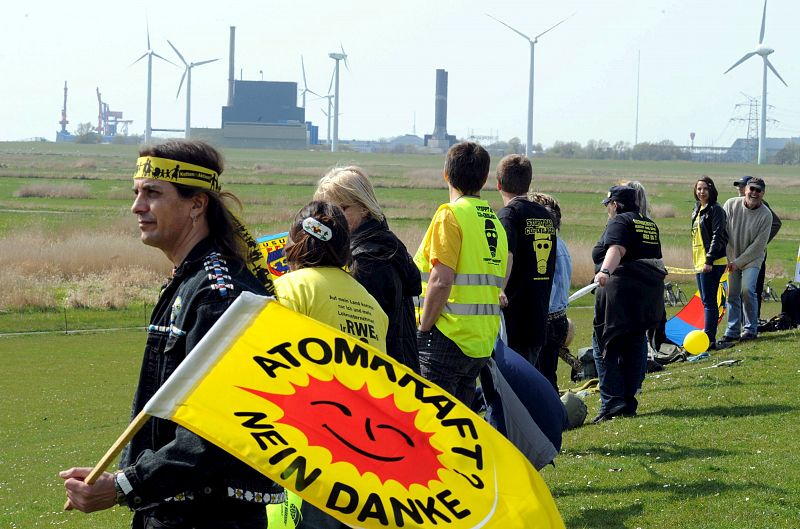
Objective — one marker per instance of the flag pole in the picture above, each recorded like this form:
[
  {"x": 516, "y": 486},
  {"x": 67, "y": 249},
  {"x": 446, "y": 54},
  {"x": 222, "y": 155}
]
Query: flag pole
[{"x": 135, "y": 425}]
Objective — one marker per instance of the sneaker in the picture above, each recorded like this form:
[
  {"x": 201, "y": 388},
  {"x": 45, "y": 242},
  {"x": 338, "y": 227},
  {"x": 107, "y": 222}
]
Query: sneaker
[
  {"x": 747, "y": 337},
  {"x": 727, "y": 340},
  {"x": 721, "y": 344}
]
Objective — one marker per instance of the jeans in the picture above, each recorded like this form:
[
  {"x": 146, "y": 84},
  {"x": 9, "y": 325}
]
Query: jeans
[
  {"x": 742, "y": 303},
  {"x": 621, "y": 372},
  {"x": 708, "y": 285},
  {"x": 442, "y": 362}
]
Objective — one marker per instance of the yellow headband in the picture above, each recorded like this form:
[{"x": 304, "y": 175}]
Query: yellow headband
[{"x": 177, "y": 172}]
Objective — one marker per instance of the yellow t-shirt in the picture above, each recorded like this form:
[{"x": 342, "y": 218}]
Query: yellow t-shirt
[
  {"x": 442, "y": 242},
  {"x": 330, "y": 295},
  {"x": 698, "y": 250}
]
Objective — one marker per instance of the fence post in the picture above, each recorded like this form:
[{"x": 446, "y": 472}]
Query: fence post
[{"x": 66, "y": 328}]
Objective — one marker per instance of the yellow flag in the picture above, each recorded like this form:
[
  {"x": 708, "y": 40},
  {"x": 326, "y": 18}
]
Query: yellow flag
[{"x": 346, "y": 427}]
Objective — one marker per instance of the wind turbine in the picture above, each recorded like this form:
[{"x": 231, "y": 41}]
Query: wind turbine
[
  {"x": 148, "y": 128},
  {"x": 306, "y": 89},
  {"x": 764, "y": 51},
  {"x": 329, "y": 113},
  {"x": 187, "y": 75},
  {"x": 337, "y": 57},
  {"x": 529, "y": 142}
]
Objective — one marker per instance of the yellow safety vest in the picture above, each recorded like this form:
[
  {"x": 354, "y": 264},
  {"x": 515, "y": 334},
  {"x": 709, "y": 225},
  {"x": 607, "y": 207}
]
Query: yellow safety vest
[{"x": 471, "y": 316}]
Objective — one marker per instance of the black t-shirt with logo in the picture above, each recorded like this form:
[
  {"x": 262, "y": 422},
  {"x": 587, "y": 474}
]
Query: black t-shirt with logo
[
  {"x": 531, "y": 237},
  {"x": 637, "y": 234}
]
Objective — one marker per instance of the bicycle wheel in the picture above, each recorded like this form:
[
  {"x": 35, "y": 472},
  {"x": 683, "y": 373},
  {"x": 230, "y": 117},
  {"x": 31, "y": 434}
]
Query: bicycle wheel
[{"x": 681, "y": 297}]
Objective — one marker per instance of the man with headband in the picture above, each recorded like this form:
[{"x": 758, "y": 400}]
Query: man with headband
[{"x": 169, "y": 476}]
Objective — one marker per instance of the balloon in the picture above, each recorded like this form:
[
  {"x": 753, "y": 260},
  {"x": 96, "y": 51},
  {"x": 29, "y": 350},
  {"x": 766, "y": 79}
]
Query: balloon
[{"x": 696, "y": 342}]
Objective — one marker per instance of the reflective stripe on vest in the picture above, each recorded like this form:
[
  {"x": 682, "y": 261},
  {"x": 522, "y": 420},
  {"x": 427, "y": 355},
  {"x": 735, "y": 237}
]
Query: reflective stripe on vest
[
  {"x": 471, "y": 279},
  {"x": 466, "y": 309}
]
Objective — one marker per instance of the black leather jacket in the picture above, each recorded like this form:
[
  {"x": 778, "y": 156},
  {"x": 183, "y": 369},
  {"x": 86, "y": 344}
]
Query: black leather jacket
[
  {"x": 713, "y": 230},
  {"x": 381, "y": 263},
  {"x": 178, "y": 477}
]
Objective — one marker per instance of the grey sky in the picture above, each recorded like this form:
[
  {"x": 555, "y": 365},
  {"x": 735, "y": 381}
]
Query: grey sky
[{"x": 585, "y": 69}]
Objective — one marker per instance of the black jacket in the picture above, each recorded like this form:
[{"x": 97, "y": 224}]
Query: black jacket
[
  {"x": 631, "y": 302},
  {"x": 175, "y": 474},
  {"x": 713, "y": 230},
  {"x": 381, "y": 263}
]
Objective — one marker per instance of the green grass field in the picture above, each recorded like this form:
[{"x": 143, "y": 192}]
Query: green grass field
[{"x": 712, "y": 447}]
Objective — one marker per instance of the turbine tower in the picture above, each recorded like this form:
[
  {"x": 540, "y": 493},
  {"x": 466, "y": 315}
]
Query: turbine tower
[
  {"x": 337, "y": 57},
  {"x": 764, "y": 52},
  {"x": 529, "y": 142},
  {"x": 329, "y": 113},
  {"x": 148, "y": 127},
  {"x": 187, "y": 75}
]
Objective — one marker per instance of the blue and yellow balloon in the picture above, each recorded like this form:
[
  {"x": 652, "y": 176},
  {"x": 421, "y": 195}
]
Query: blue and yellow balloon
[{"x": 696, "y": 342}]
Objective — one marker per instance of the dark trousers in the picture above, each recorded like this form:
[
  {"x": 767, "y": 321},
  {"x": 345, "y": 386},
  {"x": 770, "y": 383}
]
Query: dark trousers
[
  {"x": 708, "y": 285},
  {"x": 760, "y": 283},
  {"x": 442, "y": 362},
  {"x": 621, "y": 371},
  {"x": 547, "y": 363}
]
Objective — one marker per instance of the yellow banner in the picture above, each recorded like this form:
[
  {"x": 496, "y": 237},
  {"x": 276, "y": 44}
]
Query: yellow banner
[{"x": 352, "y": 431}]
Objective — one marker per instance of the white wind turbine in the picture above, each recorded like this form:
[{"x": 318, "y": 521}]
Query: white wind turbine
[
  {"x": 306, "y": 89},
  {"x": 329, "y": 113},
  {"x": 337, "y": 57},
  {"x": 529, "y": 141},
  {"x": 148, "y": 128},
  {"x": 187, "y": 75},
  {"x": 764, "y": 52}
]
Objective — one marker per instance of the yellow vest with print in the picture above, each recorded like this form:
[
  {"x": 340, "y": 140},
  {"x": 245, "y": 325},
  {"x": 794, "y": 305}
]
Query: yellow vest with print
[{"x": 471, "y": 316}]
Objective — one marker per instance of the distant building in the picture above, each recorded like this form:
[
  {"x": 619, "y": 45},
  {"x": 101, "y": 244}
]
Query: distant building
[
  {"x": 263, "y": 114},
  {"x": 745, "y": 150}
]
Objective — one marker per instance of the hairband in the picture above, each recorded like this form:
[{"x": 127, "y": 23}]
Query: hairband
[
  {"x": 317, "y": 229},
  {"x": 177, "y": 172}
]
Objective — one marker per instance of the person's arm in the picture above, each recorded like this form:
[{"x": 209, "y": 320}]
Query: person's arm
[
  {"x": 614, "y": 255},
  {"x": 503, "y": 298},
  {"x": 440, "y": 282},
  {"x": 775, "y": 227},
  {"x": 719, "y": 236}
]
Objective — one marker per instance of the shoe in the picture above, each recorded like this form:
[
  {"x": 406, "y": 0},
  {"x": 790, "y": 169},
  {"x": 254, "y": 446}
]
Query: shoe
[
  {"x": 727, "y": 340},
  {"x": 601, "y": 417},
  {"x": 747, "y": 337},
  {"x": 620, "y": 410},
  {"x": 721, "y": 344}
]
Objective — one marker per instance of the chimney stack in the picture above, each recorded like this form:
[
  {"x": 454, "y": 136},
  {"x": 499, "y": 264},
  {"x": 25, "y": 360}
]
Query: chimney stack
[
  {"x": 440, "y": 139},
  {"x": 230, "y": 66}
]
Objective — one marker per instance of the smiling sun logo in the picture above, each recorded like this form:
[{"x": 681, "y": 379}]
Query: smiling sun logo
[{"x": 370, "y": 433}]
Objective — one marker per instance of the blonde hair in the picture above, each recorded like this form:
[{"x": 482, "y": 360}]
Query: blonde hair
[
  {"x": 642, "y": 203},
  {"x": 349, "y": 185},
  {"x": 550, "y": 203}
]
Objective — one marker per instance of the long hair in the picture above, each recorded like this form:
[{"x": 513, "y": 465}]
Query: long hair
[
  {"x": 349, "y": 185},
  {"x": 642, "y": 203},
  {"x": 222, "y": 223},
  {"x": 308, "y": 251}
]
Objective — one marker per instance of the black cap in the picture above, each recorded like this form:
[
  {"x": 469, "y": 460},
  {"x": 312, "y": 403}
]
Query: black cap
[
  {"x": 758, "y": 183},
  {"x": 622, "y": 194},
  {"x": 743, "y": 181}
]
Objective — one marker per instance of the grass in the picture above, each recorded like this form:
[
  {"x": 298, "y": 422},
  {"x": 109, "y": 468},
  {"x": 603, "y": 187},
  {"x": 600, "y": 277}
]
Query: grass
[{"x": 712, "y": 448}]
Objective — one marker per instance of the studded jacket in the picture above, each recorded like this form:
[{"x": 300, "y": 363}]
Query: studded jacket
[{"x": 170, "y": 469}]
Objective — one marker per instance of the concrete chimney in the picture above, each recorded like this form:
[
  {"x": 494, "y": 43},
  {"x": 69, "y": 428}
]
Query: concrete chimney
[
  {"x": 440, "y": 139},
  {"x": 232, "y": 48}
]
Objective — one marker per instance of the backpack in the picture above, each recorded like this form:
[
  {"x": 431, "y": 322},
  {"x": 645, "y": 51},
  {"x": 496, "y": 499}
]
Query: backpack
[
  {"x": 790, "y": 303},
  {"x": 588, "y": 369},
  {"x": 781, "y": 322}
]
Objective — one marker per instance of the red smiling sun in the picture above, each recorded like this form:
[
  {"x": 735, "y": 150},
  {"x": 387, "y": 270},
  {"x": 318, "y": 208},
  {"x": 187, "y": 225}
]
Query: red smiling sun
[{"x": 370, "y": 433}]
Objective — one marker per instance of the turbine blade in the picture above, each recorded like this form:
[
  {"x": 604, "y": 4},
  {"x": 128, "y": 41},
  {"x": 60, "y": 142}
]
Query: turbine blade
[
  {"x": 763, "y": 23},
  {"x": 177, "y": 53},
  {"x": 323, "y": 111},
  {"x": 346, "y": 64},
  {"x": 147, "y": 25},
  {"x": 303, "y": 68},
  {"x": 740, "y": 61},
  {"x": 139, "y": 59},
  {"x": 330, "y": 86},
  {"x": 509, "y": 27},
  {"x": 552, "y": 27},
  {"x": 769, "y": 64},
  {"x": 181, "y": 83},
  {"x": 203, "y": 62},
  {"x": 163, "y": 59}
]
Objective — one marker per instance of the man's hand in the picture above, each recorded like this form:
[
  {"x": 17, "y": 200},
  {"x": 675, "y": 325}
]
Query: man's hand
[
  {"x": 707, "y": 268},
  {"x": 601, "y": 278},
  {"x": 732, "y": 267},
  {"x": 503, "y": 299},
  {"x": 88, "y": 498}
]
